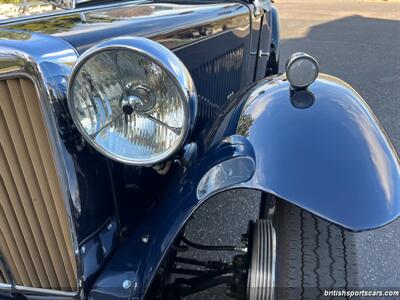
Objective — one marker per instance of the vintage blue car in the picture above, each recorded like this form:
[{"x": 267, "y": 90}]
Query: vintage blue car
[{"x": 119, "y": 119}]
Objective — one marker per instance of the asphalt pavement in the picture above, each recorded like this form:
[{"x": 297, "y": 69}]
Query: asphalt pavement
[{"x": 359, "y": 42}]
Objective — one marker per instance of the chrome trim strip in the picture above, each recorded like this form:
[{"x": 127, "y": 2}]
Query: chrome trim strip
[
  {"x": 44, "y": 292},
  {"x": 8, "y": 289},
  {"x": 5, "y": 289},
  {"x": 5, "y": 286},
  {"x": 23, "y": 55},
  {"x": 69, "y": 12}
]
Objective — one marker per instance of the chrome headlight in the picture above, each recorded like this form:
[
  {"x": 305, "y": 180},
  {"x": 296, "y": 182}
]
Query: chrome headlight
[{"x": 133, "y": 100}]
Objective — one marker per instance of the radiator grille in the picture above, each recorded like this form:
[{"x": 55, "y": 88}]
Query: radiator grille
[
  {"x": 2, "y": 276},
  {"x": 35, "y": 239}
]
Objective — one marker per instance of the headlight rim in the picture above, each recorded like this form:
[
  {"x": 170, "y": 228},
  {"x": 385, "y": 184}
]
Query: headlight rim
[{"x": 170, "y": 64}]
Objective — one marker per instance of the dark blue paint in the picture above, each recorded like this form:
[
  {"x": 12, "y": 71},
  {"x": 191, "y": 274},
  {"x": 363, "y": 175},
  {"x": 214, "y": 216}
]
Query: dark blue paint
[
  {"x": 88, "y": 174},
  {"x": 163, "y": 223},
  {"x": 275, "y": 32},
  {"x": 173, "y": 25},
  {"x": 95, "y": 191},
  {"x": 96, "y": 249},
  {"x": 264, "y": 45},
  {"x": 196, "y": 33},
  {"x": 216, "y": 66},
  {"x": 332, "y": 158}
]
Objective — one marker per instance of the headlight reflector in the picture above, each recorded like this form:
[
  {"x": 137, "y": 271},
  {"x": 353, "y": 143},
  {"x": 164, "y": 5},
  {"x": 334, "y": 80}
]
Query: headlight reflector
[{"x": 132, "y": 99}]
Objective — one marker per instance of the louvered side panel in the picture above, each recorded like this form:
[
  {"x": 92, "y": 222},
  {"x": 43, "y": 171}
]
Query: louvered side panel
[
  {"x": 216, "y": 81},
  {"x": 35, "y": 239}
]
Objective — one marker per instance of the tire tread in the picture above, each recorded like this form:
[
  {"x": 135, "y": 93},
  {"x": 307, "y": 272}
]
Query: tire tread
[{"x": 313, "y": 255}]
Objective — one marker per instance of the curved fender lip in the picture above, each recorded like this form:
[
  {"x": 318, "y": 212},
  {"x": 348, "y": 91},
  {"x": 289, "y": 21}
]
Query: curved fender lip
[
  {"x": 138, "y": 259},
  {"x": 332, "y": 158}
]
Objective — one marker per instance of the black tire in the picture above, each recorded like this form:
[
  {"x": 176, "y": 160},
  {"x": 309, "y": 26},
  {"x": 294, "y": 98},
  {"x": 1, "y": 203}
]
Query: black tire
[{"x": 313, "y": 255}]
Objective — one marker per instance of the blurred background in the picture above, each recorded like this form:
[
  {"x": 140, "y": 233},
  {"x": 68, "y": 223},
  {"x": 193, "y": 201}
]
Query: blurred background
[{"x": 13, "y": 8}]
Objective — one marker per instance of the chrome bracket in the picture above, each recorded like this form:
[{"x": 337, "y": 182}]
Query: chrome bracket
[{"x": 260, "y": 53}]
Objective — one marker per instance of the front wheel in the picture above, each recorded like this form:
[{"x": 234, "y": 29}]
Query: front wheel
[{"x": 313, "y": 255}]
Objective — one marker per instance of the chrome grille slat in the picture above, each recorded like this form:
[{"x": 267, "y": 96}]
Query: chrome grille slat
[
  {"x": 2, "y": 277},
  {"x": 35, "y": 239}
]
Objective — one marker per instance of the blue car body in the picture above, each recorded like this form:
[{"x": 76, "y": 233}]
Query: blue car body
[{"x": 322, "y": 149}]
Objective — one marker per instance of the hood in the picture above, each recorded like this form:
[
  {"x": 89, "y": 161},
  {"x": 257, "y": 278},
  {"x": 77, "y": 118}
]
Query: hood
[{"x": 176, "y": 25}]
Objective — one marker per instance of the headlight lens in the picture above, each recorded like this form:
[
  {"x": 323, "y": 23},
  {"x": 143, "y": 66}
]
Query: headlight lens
[{"x": 130, "y": 98}]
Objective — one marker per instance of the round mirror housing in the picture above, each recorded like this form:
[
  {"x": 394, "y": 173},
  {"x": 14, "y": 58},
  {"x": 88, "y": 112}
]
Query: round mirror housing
[{"x": 301, "y": 70}]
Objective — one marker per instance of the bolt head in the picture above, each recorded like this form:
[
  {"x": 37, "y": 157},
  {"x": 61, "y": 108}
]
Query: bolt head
[
  {"x": 145, "y": 239},
  {"x": 126, "y": 284}
]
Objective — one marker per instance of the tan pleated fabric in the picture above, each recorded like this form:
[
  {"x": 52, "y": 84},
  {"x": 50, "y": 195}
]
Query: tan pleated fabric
[
  {"x": 35, "y": 238},
  {"x": 2, "y": 276}
]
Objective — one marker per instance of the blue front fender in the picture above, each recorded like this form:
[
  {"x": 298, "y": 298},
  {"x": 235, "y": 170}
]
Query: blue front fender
[
  {"x": 140, "y": 256},
  {"x": 324, "y": 151}
]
